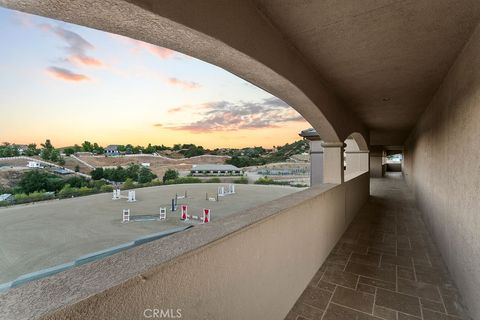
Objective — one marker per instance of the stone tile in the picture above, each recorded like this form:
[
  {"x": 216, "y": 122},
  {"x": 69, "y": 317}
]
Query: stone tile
[
  {"x": 315, "y": 297},
  {"x": 316, "y": 278},
  {"x": 383, "y": 248},
  {"x": 342, "y": 278},
  {"x": 357, "y": 300},
  {"x": 365, "y": 288},
  {"x": 432, "y": 277},
  {"x": 338, "y": 258},
  {"x": 403, "y": 316},
  {"x": 372, "y": 259},
  {"x": 398, "y": 301},
  {"x": 397, "y": 260},
  {"x": 291, "y": 315},
  {"x": 336, "y": 312},
  {"x": 378, "y": 283},
  {"x": 384, "y": 313},
  {"x": 307, "y": 311},
  {"x": 356, "y": 248},
  {"x": 419, "y": 289},
  {"x": 432, "y": 315},
  {"x": 384, "y": 274},
  {"x": 405, "y": 273},
  {"x": 421, "y": 262},
  {"x": 326, "y": 285},
  {"x": 432, "y": 305},
  {"x": 414, "y": 253},
  {"x": 454, "y": 305}
]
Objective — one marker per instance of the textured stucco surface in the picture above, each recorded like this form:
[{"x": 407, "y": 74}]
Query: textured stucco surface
[
  {"x": 254, "y": 265},
  {"x": 442, "y": 165}
]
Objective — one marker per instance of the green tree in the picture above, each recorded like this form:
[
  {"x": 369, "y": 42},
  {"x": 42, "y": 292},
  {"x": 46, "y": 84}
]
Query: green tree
[
  {"x": 32, "y": 150},
  {"x": 145, "y": 175},
  {"x": 87, "y": 146},
  {"x": 170, "y": 174},
  {"x": 97, "y": 174},
  {"x": 69, "y": 151},
  {"x": 34, "y": 181}
]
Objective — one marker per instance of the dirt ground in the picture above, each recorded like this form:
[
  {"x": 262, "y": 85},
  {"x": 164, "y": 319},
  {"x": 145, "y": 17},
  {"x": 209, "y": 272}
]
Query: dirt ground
[{"x": 45, "y": 234}]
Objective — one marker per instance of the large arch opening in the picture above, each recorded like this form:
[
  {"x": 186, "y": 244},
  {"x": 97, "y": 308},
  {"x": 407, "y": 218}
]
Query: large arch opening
[{"x": 199, "y": 32}]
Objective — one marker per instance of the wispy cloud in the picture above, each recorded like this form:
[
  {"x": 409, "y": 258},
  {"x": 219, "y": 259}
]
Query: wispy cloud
[
  {"x": 189, "y": 85},
  {"x": 229, "y": 116},
  {"x": 65, "y": 74},
  {"x": 174, "y": 110},
  {"x": 76, "y": 46}
]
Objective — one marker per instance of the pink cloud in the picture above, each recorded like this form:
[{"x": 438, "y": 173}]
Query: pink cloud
[
  {"x": 189, "y": 85},
  {"x": 173, "y": 110},
  {"x": 76, "y": 48},
  {"x": 84, "y": 60},
  {"x": 66, "y": 75}
]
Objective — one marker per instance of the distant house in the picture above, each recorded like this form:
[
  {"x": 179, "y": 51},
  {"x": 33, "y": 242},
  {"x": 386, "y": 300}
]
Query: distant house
[
  {"x": 7, "y": 198},
  {"x": 112, "y": 150},
  {"x": 34, "y": 164},
  {"x": 215, "y": 170}
]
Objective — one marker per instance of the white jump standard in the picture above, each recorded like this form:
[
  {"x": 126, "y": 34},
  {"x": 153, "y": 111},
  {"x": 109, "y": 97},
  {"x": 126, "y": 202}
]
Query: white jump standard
[
  {"x": 130, "y": 197},
  {"x": 205, "y": 218},
  {"x": 230, "y": 189},
  {"x": 126, "y": 215}
]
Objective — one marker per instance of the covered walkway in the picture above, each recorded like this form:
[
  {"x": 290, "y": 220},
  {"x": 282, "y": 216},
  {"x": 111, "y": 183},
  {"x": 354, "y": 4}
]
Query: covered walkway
[{"x": 385, "y": 266}]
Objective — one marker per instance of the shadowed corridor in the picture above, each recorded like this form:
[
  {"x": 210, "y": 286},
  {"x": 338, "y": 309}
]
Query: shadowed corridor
[{"x": 385, "y": 266}]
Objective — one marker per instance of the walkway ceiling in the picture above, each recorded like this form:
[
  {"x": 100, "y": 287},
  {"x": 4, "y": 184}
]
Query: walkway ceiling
[{"x": 384, "y": 58}]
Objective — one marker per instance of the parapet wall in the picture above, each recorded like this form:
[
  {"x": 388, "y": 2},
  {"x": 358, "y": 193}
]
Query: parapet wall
[{"x": 256, "y": 271}]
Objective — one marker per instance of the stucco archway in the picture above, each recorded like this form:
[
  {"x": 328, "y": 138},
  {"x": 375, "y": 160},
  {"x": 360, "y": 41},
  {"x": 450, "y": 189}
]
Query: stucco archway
[{"x": 233, "y": 35}]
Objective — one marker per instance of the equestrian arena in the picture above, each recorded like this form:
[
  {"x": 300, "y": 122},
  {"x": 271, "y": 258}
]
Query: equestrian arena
[{"x": 45, "y": 234}]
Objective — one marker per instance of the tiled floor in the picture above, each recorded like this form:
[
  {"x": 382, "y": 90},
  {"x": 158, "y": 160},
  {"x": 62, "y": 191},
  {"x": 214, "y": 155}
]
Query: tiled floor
[{"x": 385, "y": 266}]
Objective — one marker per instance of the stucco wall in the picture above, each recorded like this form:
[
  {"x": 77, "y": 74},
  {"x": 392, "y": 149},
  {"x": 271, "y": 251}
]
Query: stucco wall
[
  {"x": 257, "y": 272},
  {"x": 442, "y": 164}
]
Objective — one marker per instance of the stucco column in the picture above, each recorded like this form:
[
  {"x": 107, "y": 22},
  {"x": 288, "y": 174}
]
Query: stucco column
[
  {"x": 357, "y": 161},
  {"x": 333, "y": 162},
  {"x": 377, "y": 168},
  {"x": 316, "y": 162}
]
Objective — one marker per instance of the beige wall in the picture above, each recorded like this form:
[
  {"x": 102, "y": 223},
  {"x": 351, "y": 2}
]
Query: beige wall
[
  {"x": 257, "y": 272},
  {"x": 442, "y": 164}
]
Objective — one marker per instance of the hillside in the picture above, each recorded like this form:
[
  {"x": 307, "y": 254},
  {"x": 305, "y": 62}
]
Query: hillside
[{"x": 158, "y": 164}]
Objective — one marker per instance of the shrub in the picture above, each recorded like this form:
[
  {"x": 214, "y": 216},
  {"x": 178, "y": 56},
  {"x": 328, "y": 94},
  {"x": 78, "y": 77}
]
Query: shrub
[
  {"x": 106, "y": 188},
  {"x": 242, "y": 180},
  {"x": 266, "y": 180},
  {"x": 170, "y": 174},
  {"x": 183, "y": 180},
  {"x": 213, "y": 180},
  {"x": 128, "y": 184}
]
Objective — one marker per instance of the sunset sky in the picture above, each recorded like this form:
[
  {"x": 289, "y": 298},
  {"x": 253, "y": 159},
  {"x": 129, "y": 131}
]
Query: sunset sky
[{"x": 70, "y": 83}]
